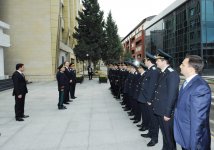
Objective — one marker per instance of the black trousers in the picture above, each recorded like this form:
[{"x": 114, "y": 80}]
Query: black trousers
[
  {"x": 90, "y": 75},
  {"x": 66, "y": 95},
  {"x": 154, "y": 124},
  {"x": 167, "y": 131},
  {"x": 145, "y": 114},
  {"x": 72, "y": 90},
  {"x": 19, "y": 106}
]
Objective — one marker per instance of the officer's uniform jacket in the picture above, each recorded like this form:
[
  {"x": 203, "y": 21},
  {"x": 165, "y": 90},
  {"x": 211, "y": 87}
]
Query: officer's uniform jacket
[
  {"x": 166, "y": 93},
  {"x": 149, "y": 85}
]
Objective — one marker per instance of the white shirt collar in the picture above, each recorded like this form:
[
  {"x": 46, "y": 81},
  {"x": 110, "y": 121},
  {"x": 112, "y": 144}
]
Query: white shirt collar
[
  {"x": 162, "y": 70},
  {"x": 19, "y": 71},
  {"x": 150, "y": 67},
  {"x": 190, "y": 78}
]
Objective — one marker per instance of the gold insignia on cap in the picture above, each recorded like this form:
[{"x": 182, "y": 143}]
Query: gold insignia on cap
[{"x": 158, "y": 57}]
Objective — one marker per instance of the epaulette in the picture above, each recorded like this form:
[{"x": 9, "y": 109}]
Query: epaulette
[
  {"x": 153, "y": 68},
  {"x": 170, "y": 69}
]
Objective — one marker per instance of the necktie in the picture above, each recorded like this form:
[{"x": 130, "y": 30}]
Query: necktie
[{"x": 185, "y": 83}]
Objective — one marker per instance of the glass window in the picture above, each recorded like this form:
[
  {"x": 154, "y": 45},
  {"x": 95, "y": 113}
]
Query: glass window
[
  {"x": 192, "y": 12},
  {"x": 210, "y": 35},
  {"x": 209, "y": 10}
]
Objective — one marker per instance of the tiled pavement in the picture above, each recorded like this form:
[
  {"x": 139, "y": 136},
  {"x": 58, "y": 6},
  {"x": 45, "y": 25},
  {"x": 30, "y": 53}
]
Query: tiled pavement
[{"x": 93, "y": 121}]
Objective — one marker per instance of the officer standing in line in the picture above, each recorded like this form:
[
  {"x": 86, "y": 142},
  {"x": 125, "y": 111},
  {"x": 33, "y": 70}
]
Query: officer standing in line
[
  {"x": 149, "y": 85},
  {"x": 142, "y": 71},
  {"x": 63, "y": 85},
  {"x": 72, "y": 73},
  {"x": 134, "y": 92},
  {"x": 165, "y": 98},
  {"x": 141, "y": 74},
  {"x": 68, "y": 75}
]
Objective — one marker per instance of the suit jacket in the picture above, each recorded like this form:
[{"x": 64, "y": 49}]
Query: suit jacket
[
  {"x": 166, "y": 93},
  {"x": 62, "y": 80},
  {"x": 19, "y": 83},
  {"x": 191, "y": 119},
  {"x": 72, "y": 74},
  {"x": 149, "y": 85}
]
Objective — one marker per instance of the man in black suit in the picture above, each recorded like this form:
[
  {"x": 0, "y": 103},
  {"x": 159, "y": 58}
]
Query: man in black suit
[
  {"x": 19, "y": 91},
  {"x": 68, "y": 75},
  {"x": 72, "y": 73},
  {"x": 90, "y": 72}
]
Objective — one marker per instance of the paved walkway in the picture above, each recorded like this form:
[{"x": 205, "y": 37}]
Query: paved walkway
[{"x": 94, "y": 121}]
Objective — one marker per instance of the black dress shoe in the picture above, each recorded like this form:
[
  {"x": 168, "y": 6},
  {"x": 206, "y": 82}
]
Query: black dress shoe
[
  {"x": 139, "y": 125},
  {"x": 136, "y": 121},
  {"x": 152, "y": 143},
  {"x": 19, "y": 119},
  {"x": 70, "y": 100},
  {"x": 146, "y": 135},
  {"x": 61, "y": 108},
  {"x": 133, "y": 118},
  {"x": 72, "y": 97},
  {"x": 143, "y": 129},
  {"x": 25, "y": 116},
  {"x": 66, "y": 103}
]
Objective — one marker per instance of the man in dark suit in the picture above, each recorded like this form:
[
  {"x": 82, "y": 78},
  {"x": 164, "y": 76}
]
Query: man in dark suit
[
  {"x": 191, "y": 119},
  {"x": 19, "y": 91},
  {"x": 68, "y": 75},
  {"x": 146, "y": 97},
  {"x": 90, "y": 72},
  {"x": 165, "y": 98},
  {"x": 72, "y": 73}
]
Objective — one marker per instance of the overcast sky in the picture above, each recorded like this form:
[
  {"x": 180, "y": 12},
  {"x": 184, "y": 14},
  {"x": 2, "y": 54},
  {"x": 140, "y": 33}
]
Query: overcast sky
[{"x": 129, "y": 13}]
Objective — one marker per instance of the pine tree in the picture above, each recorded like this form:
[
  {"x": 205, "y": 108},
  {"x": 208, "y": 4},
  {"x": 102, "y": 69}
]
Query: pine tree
[
  {"x": 114, "y": 48},
  {"x": 90, "y": 33}
]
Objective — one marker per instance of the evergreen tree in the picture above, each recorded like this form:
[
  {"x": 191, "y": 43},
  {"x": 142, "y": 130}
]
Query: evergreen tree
[
  {"x": 90, "y": 33},
  {"x": 113, "y": 50}
]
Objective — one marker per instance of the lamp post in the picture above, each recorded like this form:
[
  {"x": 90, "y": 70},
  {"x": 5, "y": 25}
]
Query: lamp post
[{"x": 87, "y": 55}]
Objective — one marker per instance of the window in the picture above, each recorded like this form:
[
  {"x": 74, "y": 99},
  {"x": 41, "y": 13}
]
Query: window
[
  {"x": 192, "y": 12},
  {"x": 63, "y": 59},
  {"x": 191, "y": 35}
]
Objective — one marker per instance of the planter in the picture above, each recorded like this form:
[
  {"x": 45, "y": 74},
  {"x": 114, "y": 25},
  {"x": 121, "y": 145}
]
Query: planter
[
  {"x": 103, "y": 79},
  {"x": 79, "y": 79}
]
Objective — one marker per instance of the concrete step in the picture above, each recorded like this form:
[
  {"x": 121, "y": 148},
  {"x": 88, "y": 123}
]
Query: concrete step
[{"x": 6, "y": 84}]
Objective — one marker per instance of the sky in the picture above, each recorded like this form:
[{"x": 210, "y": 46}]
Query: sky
[{"x": 129, "y": 13}]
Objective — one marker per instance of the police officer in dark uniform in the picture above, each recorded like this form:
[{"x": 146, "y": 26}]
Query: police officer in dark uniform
[
  {"x": 146, "y": 97},
  {"x": 63, "y": 84},
  {"x": 165, "y": 98},
  {"x": 141, "y": 68}
]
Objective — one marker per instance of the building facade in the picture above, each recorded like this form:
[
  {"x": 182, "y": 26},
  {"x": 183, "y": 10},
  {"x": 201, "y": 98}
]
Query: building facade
[
  {"x": 41, "y": 35},
  {"x": 134, "y": 41},
  {"x": 4, "y": 43},
  {"x": 185, "y": 27}
]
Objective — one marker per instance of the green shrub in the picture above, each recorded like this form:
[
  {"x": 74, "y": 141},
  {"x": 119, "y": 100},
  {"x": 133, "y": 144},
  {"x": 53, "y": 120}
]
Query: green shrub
[
  {"x": 80, "y": 78},
  {"x": 103, "y": 79}
]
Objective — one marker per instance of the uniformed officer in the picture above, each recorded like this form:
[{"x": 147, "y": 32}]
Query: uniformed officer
[
  {"x": 141, "y": 68},
  {"x": 63, "y": 85},
  {"x": 165, "y": 98},
  {"x": 146, "y": 97}
]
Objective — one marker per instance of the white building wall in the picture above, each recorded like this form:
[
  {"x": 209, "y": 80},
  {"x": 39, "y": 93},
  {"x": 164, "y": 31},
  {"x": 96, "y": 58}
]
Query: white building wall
[{"x": 4, "y": 43}]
